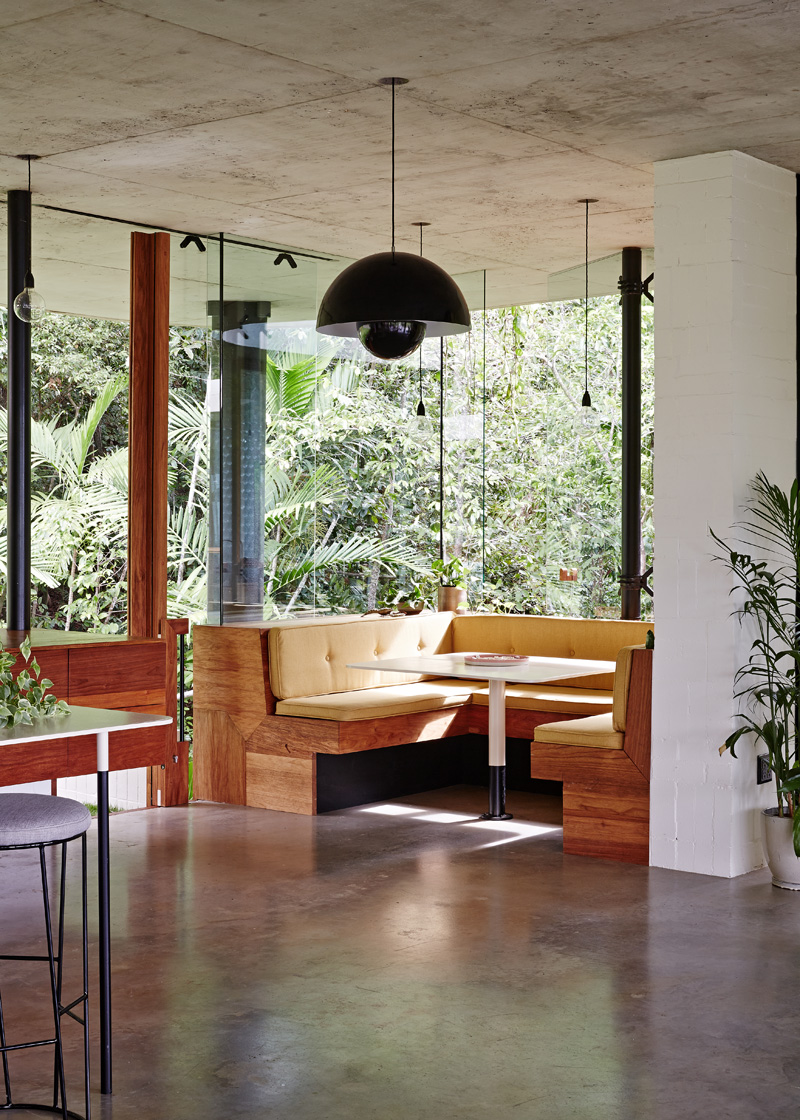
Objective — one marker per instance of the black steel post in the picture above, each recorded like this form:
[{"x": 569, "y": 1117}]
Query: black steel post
[
  {"x": 797, "y": 331},
  {"x": 630, "y": 284},
  {"x": 441, "y": 448},
  {"x": 18, "y": 583}
]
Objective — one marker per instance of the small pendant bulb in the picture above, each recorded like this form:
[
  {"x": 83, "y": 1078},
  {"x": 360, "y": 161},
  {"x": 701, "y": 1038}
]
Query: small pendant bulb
[
  {"x": 421, "y": 406},
  {"x": 588, "y": 414},
  {"x": 29, "y": 306}
]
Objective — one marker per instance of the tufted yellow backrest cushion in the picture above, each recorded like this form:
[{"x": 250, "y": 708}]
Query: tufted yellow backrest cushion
[
  {"x": 310, "y": 658},
  {"x": 593, "y": 639}
]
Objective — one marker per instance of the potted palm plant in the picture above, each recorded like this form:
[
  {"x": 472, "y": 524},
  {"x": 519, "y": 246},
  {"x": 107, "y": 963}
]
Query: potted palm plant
[{"x": 768, "y": 684}]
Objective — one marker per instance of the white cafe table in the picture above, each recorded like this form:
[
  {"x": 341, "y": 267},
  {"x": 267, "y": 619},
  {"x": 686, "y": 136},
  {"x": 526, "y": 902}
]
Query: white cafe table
[
  {"x": 533, "y": 670},
  {"x": 100, "y": 722}
]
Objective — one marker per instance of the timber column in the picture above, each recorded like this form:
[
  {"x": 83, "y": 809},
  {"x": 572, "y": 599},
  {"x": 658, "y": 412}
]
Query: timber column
[{"x": 148, "y": 439}]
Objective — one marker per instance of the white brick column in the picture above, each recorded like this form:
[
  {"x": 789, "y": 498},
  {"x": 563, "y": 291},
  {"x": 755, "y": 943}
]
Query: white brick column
[{"x": 725, "y": 381}]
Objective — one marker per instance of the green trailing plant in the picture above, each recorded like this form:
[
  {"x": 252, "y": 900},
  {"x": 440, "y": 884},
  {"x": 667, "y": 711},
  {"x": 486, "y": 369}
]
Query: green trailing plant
[
  {"x": 452, "y": 573},
  {"x": 768, "y": 681},
  {"x": 24, "y": 697}
]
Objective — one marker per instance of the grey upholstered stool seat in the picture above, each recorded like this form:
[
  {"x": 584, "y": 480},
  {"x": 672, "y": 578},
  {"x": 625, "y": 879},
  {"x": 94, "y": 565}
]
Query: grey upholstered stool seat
[{"x": 36, "y": 818}]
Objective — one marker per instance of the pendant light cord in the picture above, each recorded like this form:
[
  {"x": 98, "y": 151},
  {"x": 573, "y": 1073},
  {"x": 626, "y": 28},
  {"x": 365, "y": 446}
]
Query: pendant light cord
[
  {"x": 420, "y": 349},
  {"x": 586, "y": 305},
  {"x": 29, "y": 274},
  {"x": 394, "y": 86}
]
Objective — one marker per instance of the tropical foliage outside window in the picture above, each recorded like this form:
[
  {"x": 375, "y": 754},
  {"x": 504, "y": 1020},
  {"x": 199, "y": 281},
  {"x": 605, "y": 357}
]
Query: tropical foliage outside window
[{"x": 352, "y": 512}]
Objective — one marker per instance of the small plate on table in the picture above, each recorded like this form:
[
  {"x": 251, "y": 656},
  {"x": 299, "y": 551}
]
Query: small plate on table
[{"x": 494, "y": 660}]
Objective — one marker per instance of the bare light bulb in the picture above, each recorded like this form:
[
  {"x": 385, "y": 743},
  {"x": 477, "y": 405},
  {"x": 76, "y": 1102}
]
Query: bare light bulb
[
  {"x": 589, "y": 417},
  {"x": 29, "y": 306},
  {"x": 421, "y": 426}
]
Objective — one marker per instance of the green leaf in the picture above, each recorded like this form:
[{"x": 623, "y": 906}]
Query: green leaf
[
  {"x": 732, "y": 740},
  {"x": 25, "y": 648}
]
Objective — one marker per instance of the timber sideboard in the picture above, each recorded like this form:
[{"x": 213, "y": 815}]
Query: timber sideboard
[{"x": 95, "y": 671}]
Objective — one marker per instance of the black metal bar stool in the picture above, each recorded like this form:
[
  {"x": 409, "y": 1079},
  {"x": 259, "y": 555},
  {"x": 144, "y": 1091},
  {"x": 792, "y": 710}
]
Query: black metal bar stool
[{"x": 33, "y": 820}]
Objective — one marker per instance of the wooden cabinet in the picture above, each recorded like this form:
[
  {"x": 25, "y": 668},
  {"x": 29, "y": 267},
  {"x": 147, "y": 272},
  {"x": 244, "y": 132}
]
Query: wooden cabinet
[{"x": 92, "y": 671}]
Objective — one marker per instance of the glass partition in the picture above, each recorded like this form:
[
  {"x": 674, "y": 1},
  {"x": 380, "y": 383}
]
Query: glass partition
[
  {"x": 264, "y": 375},
  {"x": 79, "y": 423},
  {"x": 337, "y": 480}
]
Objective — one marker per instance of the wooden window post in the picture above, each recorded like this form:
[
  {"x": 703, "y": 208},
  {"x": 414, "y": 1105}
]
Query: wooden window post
[{"x": 147, "y": 483}]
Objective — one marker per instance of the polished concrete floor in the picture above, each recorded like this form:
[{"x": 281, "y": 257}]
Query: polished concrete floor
[{"x": 403, "y": 961}]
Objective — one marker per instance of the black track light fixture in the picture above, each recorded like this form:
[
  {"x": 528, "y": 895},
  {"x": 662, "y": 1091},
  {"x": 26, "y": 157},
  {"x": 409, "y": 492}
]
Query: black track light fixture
[
  {"x": 391, "y": 301},
  {"x": 193, "y": 239}
]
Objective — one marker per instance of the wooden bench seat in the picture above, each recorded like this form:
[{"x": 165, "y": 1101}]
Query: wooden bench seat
[
  {"x": 268, "y": 701},
  {"x": 604, "y": 764}
]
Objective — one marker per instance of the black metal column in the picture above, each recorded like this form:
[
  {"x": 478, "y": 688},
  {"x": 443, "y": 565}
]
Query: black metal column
[
  {"x": 630, "y": 285},
  {"x": 797, "y": 332},
  {"x": 18, "y": 582}
]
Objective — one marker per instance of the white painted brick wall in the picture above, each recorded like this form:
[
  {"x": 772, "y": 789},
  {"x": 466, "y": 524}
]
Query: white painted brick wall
[
  {"x": 127, "y": 789},
  {"x": 725, "y": 382},
  {"x": 28, "y": 787}
]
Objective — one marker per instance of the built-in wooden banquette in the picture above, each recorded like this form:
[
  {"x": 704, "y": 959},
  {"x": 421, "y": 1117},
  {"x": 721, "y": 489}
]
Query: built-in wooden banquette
[
  {"x": 603, "y": 762},
  {"x": 96, "y": 671},
  {"x": 274, "y": 701}
]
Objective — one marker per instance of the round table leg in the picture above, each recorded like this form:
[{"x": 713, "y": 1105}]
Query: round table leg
[
  {"x": 104, "y": 906},
  {"x": 497, "y": 753}
]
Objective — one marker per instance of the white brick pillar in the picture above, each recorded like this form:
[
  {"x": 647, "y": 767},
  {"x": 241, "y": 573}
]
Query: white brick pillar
[{"x": 725, "y": 382}]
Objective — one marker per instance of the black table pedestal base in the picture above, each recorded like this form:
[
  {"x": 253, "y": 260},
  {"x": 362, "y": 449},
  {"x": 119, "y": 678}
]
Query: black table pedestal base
[{"x": 497, "y": 796}]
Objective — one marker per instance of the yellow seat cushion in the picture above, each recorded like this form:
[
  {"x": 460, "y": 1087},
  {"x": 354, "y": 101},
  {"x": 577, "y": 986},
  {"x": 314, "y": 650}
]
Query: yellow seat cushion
[
  {"x": 373, "y": 703},
  {"x": 548, "y": 698},
  {"x": 591, "y": 731}
]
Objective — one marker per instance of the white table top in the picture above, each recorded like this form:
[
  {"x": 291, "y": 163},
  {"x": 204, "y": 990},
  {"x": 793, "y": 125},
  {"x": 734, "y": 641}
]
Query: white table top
[
  {"x": 535, "y": 670},
  {"x": 79, "y": 721}
]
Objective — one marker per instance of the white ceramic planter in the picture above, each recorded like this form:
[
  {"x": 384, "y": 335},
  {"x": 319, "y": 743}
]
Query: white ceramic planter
[{"x": 776, "y": 834}]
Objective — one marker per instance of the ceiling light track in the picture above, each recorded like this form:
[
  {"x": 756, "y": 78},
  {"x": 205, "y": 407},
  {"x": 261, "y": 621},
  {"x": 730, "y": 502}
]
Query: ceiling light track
[{"x": 182, "y": 232}]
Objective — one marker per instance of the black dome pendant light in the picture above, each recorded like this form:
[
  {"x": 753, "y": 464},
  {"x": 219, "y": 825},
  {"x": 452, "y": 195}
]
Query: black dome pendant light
[{"x": 391, "y": 301}]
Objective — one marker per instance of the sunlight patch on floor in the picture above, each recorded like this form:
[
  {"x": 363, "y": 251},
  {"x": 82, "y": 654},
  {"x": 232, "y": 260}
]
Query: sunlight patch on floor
[
  {"x": 521, "y": 830},
  {"x": 509, "y": 830}
]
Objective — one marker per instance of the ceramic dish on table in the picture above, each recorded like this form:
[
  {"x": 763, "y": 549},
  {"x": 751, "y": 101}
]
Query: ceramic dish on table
[{"x": 494, "y": 660}]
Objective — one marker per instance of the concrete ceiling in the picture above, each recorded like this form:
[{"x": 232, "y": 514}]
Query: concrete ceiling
[{"x": 263, "y": 119}]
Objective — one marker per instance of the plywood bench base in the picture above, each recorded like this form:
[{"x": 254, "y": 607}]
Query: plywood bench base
[
  {"x": 607, "y": 823},
  {"x": 275, "y": 765},
  {"x": 607, "y": 792}
]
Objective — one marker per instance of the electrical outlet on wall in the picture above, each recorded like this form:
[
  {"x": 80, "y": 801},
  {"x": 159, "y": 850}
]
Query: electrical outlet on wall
[{"x": 763, "y": 772}]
